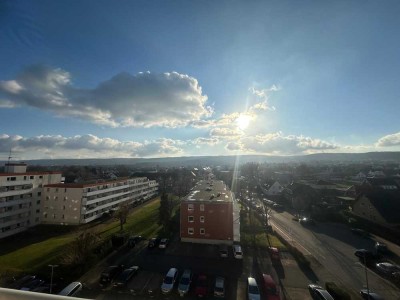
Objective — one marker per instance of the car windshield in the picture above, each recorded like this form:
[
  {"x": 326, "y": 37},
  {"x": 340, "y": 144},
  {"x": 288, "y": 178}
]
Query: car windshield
[
  {"x": 168, "y": 280},
  {"x": 253, "y": 289},
  {"x": 185, "y": 280},
  {"x": 219, "y": 289}
]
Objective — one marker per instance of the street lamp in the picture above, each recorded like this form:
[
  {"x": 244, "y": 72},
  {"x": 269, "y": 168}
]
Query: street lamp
[
  {"x": 51, "y": 277},
  {"x": 366, "y": 272}
]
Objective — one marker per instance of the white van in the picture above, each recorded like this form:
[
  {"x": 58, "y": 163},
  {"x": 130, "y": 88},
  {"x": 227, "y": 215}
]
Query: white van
[
  {"x": 72, "y": 289},
  {"x": 237, "y": 251}
]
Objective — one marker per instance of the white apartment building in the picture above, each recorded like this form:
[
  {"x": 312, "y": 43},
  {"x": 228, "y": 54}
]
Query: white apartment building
[
  {"x": 81, "y": 203},
  {"x": 20, "y": 197}
]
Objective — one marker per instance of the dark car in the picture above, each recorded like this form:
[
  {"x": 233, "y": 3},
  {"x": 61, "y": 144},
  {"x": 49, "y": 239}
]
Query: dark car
[
  {"x": 368, "y": 295},
  {"x": 23, "y": 280},
  {"x": 306, "y": 221},
  {"x": 42, "y": 289},
  {"x": 201, "y": 286},
  {"x": 153, "y": 243},
  {"x": 319, "y": 293},
  {"x": 125, "y": 276},
  {"x": 109, "y": 274},
  {"x": 359, "y": 232},
  {"x": 30, "y": 285},
  {"x": 133, "y": 240},
  {"x": 364, "y": 254},
  {"x": 381, "y": 248}
]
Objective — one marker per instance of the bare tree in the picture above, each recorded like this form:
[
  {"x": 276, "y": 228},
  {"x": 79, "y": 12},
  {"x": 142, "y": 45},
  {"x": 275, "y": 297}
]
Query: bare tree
[
  {"x": 80, "y": 249},
  {"x": 121, "y": 214}
]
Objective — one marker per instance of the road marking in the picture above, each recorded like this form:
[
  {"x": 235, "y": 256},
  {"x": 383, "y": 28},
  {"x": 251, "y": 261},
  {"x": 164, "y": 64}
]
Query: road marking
[{"x": 290, "y": 238}]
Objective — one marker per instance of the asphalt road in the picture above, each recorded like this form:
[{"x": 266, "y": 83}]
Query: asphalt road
[{"x": 333, "y": 245}]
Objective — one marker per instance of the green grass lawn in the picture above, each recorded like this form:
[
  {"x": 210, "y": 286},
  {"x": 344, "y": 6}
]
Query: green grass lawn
[
  {"x": 250, "y": 228},
  {"x": 30, "y": 258}
]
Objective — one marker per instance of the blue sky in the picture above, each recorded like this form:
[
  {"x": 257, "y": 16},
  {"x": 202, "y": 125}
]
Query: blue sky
[{"x": 178, "y": 78}]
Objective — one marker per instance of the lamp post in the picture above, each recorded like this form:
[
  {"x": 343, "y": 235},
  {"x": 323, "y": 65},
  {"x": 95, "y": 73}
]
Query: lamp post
[{"x": 51, "y": 277}]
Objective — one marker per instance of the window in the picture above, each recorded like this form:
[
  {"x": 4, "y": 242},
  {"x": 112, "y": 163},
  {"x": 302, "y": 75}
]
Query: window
[
  {"x": 38, "y": 211},
  {"x": 32, "y": 177},
  {"x": 40, "y": 177},
  {"x": 190, "y": 207},
  {"x": 190, "y": 231},
  {"x": 39, "y": 193},
  {"x": 190, "y": 219},
  {"x": 38, "y": 202},
  {"x": 202, "y": 231},
  {"x": 201, "y": 207},
  {"x": 202, "y": 219},
  {"x": 24, "y": 177}
]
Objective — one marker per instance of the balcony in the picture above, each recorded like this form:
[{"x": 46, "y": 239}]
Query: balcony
[{"x": 14, "y": 202}]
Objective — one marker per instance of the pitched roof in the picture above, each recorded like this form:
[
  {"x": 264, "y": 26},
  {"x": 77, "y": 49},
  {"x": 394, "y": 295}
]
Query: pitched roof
[{"x": 387, "y": 203}]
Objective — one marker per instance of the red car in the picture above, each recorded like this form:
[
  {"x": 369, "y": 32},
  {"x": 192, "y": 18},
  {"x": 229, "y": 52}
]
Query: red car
[
  {"x": 270, "y": 288},
  {"x": 201, "y": 286}
]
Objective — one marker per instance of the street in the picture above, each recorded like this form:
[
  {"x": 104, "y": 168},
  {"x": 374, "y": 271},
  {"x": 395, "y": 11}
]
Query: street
[{"x": 333, "y": 246}]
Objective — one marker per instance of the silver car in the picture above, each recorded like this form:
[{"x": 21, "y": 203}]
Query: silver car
[
  {"x": 185, "y": 282},
  {"x": 169, "y": 281}
]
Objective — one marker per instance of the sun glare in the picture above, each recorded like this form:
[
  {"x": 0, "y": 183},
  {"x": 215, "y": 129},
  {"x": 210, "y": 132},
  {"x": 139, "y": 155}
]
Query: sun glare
[{"x": 243, "y": 121}]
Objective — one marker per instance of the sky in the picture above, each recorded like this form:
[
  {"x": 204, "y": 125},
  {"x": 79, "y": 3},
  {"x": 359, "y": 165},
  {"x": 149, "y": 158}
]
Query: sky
[{"x": 103, "y": 79}]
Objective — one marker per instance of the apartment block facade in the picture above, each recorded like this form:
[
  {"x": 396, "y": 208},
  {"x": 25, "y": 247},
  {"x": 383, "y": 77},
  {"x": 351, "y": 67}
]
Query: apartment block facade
[
  {"x": 209, "y": 214},
  {"x": 72, "y": 204},
  {"x": 20, "y": 197}
]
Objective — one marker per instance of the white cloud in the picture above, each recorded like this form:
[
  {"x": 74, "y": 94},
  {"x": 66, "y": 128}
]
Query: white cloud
[
  {"x": 89, "y": 146},
  {"x": 141, "y": 100},
  {"x": 226, "y": 133},
  {"x": 389, "y": 140},
  {"x": 278, "y": 144}
]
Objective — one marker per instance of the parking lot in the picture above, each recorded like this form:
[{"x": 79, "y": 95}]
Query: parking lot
[{"x": 154, "y": 264}]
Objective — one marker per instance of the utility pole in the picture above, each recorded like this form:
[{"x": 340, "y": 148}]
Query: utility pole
[
  {"x": 51, "y": 277},
  {"x": 366, "y": 273}
]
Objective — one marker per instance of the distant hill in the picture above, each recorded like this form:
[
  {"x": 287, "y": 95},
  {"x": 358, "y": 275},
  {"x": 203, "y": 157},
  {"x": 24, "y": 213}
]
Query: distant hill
[{"x": 222, "y": 160}]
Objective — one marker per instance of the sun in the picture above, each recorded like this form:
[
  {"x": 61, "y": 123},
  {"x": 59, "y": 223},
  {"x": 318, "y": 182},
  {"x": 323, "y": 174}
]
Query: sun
[{"x": 243, "y": 121}]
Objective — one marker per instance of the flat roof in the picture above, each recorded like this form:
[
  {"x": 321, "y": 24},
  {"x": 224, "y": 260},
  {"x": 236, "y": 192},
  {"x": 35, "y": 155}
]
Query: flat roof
[
  {"x": 82, "y": 185},
  {"x": 30, "y": 173},
  {"x": 210, "y": 191}
]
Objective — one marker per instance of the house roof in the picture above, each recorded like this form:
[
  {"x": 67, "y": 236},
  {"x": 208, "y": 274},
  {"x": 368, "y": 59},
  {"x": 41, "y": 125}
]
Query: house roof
[{"x": 387, "y": 203}]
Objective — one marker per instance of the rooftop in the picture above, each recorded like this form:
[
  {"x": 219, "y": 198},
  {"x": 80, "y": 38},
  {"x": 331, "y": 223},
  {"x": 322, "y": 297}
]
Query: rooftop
[{"x": 210, "y": 191}]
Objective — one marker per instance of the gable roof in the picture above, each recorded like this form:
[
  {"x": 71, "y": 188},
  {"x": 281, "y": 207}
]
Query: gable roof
[{"x": 387, "y": 203}]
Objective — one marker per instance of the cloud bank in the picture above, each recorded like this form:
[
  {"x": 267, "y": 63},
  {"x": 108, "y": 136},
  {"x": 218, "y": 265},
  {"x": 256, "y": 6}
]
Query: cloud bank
[{"x": 140, "y": 100}]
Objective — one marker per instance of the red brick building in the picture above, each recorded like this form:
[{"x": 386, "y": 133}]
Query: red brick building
[{"x": 209, "y": 214}]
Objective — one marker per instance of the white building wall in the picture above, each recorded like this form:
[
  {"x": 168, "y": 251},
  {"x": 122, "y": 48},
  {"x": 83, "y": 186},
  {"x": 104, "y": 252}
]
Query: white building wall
[{"x": 20, "y": 198}]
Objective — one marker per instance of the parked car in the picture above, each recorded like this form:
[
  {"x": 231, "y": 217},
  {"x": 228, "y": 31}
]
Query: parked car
[
  {"x": 201, "y": 286},
  {"x": 219, "y": 287},
  {"x": 169, "y": 281},
  {"x": 253, "y": 292},
  {"x": 274, "y": 253},
  {"x": 306, "y": 221},
  {"x": 125, "y": 276},
  {"x": 109, "y": 274},
  {"x": 185, "y": 282},
  {"x": 387, "y": 268},
  {"x": 153, "y": 242},
  {"x": 133, "y": 240},
  {"x": 270, "y": 288},
  {"x": 368, "y": 295},
  {"x": 319, "y": 293},
  {"x": 30, "y": 285},
  {"x": 360, "y": 232},
  {"x": 237, "y": 251},
  {"x": 223, "y": 251},
  {"x": 381, "y": 248},
  {"x": 364, "y": 254},
  {"x": 163, "y": 244},
  {"x": 71, "y": 289},
  {"x": 23, "y": 280}
]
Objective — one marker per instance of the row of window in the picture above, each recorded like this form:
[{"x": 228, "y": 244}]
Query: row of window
[
  {"x": 25, "y": 178},
  {"x": 191, "y": 219},
  {"x": 191, "y": 231},
  {"x": 191, "y": 207}
]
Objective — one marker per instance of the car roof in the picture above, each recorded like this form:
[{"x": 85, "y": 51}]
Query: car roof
[
  {"x": 268, "y": 279},
  {"x": 172, "y": 271},
  {"x": 219, "y": 281},
  {"x": 251, "y": 281}
]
